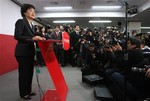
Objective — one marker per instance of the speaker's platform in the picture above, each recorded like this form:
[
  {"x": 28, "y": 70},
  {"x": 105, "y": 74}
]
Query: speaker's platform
[{"x": 102, "y": 93}]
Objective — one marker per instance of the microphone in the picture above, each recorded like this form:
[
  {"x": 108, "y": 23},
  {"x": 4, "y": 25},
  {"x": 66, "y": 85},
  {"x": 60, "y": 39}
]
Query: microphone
[{"x": 39, "y": 19}]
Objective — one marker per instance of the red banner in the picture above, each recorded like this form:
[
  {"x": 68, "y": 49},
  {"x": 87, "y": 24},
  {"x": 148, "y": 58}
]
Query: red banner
[{"x": 55, "y": 72}]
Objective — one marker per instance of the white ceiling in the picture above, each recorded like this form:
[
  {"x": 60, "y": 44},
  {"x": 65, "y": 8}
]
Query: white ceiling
[
  {"x": 82, "y": 11},
  {"x": 79, "y": 5}
]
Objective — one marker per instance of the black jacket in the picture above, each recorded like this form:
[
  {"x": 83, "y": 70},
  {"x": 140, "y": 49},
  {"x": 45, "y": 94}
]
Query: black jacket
[
  {"x": 24, "y": 34},
  {"x": 137, "y": 79},
  {"x": 54, "y": 36},
  {"x": 74, "y": 41}
]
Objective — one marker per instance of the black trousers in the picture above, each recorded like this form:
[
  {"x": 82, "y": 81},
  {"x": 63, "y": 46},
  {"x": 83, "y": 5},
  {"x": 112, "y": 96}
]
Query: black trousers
[
  {"x": 25, "y": 70},
  {"x": 57, "y": 51},
  {"x": 40, "y": 59}
]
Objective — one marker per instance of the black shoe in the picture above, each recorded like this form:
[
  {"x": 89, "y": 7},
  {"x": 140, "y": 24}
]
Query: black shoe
[
  {"x": 32, "y": 94},
  {"x": 27, "y": 97},
  {"x": 62, "y": 65},
  {"x": 73, "y": 65}
]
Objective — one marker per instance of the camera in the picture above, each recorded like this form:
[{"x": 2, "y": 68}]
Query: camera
[{"x": 107, "y": 46}]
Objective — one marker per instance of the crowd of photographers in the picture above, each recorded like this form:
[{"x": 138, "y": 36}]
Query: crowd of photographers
[{"x": 111, "y": 51}]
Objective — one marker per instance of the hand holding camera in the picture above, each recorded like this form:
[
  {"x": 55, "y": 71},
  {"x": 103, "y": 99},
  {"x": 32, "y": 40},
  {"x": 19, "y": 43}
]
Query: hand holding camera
[{"x": 108, "y": 48}]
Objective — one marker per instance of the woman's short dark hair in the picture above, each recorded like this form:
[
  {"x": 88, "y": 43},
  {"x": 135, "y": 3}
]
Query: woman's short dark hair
[
  {"x": 42, "y": 28},
  {"x": 25, "y": 7}
]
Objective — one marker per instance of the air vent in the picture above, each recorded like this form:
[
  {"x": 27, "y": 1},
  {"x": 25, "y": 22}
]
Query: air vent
[
  {"x": 54, "y": 3},
  {"x": 110, "y": 2},
  {"x": 82, "y": 2}
]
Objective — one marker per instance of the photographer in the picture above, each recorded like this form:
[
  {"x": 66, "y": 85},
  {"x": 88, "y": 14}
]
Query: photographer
[
  {"x": 92, "y": 60},
  {"x": 114, "y": 56},
  {"x": 83, "y": 51},
  {"x": 137, "y": 82}
]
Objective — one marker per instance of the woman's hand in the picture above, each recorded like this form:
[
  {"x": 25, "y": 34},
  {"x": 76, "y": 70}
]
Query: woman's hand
[
  {"x": 38, "y": 38},
  {"x": 148, "y": 73}
]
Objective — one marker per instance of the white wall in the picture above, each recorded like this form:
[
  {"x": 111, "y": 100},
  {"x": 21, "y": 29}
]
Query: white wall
[
  {"x": 134, "y": 26},
  {"x": 0, "y": 16},
  {"x": 9, "y": 14}
]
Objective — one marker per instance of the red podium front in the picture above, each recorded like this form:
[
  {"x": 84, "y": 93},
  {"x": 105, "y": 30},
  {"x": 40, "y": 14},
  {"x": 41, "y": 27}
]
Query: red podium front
[{"x": 60, "y": 93}]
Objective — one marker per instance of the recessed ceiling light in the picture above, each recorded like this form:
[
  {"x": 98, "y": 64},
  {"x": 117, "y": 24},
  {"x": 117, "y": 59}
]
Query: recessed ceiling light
[
  {"x": 56, "y": 8},
  {"x": 145, "y": 27},
  {"x": 148, "y": 32},
  {"x": 100, "y": 21},
  {"x": 108, "y": 27},
  {"x": 64, "y": 21},
  {"x": 106, "y": 7}
]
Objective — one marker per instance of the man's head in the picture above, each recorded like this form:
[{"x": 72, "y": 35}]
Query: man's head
[
  {"x": 57, "y": 28},
  {"x": 61, "y": 28},
  {"x": 133, "y": 43},
  {"x": 77, "y": 28},
  {"x": 91, "y": 46},
  {"x": 49, "y": 29}
]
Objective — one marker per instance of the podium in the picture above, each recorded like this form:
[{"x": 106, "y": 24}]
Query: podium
[{"x": 61, "y": 89}]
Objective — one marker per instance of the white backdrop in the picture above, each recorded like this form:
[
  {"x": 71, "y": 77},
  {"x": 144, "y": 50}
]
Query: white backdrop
[{"x": 9, "y": 14}]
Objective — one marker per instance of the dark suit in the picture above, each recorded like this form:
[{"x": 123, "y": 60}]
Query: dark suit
[
  {"x": 24, "y": 54},
  {"x": 57, "y": 46},
  {"x": 54, "y": 36},
  {"x": 75, "y": 44}
]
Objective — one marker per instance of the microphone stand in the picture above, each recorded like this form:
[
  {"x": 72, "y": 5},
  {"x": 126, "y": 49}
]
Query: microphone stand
[
  {"x": 125, "y": 52},
  {"x": 43, "y": 22}
]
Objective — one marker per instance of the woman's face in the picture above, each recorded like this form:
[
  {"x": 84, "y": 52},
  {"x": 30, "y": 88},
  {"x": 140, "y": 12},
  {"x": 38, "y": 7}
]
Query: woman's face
[
  {"x": 30, "y": 13},
  {"x": 43, "y": 29}
]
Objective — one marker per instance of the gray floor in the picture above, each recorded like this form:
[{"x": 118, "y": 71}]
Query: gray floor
[{"x": 78, "y": 91}]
